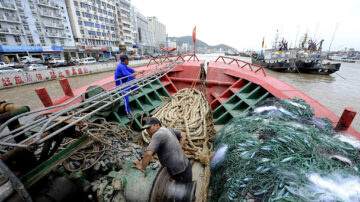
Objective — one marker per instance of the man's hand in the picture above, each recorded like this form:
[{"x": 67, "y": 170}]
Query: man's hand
[{"x": 138, "y": 165}]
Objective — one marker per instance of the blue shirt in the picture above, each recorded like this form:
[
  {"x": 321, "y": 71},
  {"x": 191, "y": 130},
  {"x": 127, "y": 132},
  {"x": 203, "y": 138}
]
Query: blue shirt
[{"x": 122, "y": 70}]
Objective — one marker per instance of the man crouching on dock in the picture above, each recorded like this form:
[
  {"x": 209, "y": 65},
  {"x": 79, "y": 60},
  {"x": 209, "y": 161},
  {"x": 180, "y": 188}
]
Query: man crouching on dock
[{"x": 167, "y": 143}]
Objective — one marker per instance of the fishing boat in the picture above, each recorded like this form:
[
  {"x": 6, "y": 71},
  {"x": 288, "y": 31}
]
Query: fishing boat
[{"x": 33, "y": 152}]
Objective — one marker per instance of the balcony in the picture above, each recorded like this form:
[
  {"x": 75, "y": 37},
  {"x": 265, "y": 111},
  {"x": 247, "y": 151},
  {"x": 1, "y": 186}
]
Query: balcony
[
  {"x": 46, "y": 3},
  {"x": 15, "y": 31},
  {"x": 7, "y": 6},
  {"x": 10, "y": 19},
  {"x": 56, "y": 35},
  {"x": 4, "y": 30},
  {"x": 50, "y": 15},
  {"x": 54, "y": 25}
]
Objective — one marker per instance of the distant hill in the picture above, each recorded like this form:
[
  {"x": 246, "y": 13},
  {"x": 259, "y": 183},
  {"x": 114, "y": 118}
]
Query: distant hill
[{"x": 199, "y": 43}]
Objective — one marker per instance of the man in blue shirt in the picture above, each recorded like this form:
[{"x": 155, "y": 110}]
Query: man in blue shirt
[{"x": 122, "y": 70}]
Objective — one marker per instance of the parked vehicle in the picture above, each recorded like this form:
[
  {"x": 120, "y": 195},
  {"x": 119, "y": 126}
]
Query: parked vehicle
[
  {"x": 137, "y": 57},
  {"x": 88, "y": 60},
  {"x": 74, "y": 60},
  {"x": 103, "y": 59},
  {"x": 58, "y": 63},
  {"x": 3, "y": 64},
  {"x": 34, "y": 67},
  {"x": 9, "y": 70},
  {"x": 27, "y": 59}
]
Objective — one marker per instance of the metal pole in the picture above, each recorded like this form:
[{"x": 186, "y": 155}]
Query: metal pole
[
  {"x": 333, "y": 37},
  {"x": 194, "y": 49}
]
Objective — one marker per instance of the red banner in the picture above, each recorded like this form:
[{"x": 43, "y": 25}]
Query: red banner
[{"x": 194, "y": 34}]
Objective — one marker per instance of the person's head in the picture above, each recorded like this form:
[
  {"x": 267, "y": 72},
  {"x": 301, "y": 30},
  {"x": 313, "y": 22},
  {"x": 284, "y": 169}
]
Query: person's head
[
  {"x": 124, "y": 59},
  {"x": 151, "y": 125}
]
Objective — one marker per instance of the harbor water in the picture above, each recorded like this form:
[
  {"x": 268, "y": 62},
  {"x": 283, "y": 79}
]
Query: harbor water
[{"x": 336, "y": 91}]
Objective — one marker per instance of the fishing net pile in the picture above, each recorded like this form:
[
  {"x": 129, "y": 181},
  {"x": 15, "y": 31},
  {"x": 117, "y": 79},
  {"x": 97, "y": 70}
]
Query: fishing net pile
[
  {"x": 280, "y": 152},
  {"x": 110, "y": 148},
  {"x": 188, "y": 111}
]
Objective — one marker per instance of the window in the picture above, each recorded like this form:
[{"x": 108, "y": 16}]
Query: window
[
  {"x": 3, "y": 38},
  {"x": 92, "y": 33},
  {"x": 103, "y": 3},
  {"x": 30, "y": 39},
  {"x": 17, "y": 39},
  {"x": 89, "y": 24},
  {"x": 53, "y": 42},
  {"x": 113, "y": 35},
  {"x": 78, "y": 13},
  {"x": 107, "y": 27},
  {"x": 95, "y": 17},
  {"x": 42, "y": 41},
  {"x": 105, "y": 12},
  {"x": 106, "y": 20},
  {"x": 108, "y": 6},
  {"x": 99, "y": 10},
  {"x": 98, "y": 2},
  {"x": 98, "y": 33},
  {"x": 102, "y": 26},
  {"x": 101, "y": 19},
  {"x": 94, "y": 8},
  {"x": 112, "y": 28},
  {"x": 97, "y": 25},
  {"x": 104, "y": 34},
  {"x": 80, "y": 22},
  {"x": 26, "y": 27},
  {"x": 62, "y": 42},
  {"x": 76, "y": 3},
  {"x": 82, "y": 31},
  {"x": 86, "y": 6}
]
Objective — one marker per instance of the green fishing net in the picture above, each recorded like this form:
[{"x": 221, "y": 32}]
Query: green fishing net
[{"x": 268, "y": 154}]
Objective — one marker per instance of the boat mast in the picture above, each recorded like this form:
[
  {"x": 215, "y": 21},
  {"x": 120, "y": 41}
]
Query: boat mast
[
  {"x": 333, "y": 36},
  {"x": 297, "y": 32}
]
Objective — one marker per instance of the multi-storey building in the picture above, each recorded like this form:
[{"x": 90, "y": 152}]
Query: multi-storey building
[
  {"x": 95, "y": 26},
  {"x": 38, "y": 28},
  {"x": 125, "y": 15},
  {"x": 141, "y": 32},
  {"x": 158, "y": 32}
]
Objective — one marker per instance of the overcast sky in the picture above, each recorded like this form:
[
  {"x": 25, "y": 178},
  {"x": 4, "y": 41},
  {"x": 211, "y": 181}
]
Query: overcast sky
[{"x": 243, "y": 24}]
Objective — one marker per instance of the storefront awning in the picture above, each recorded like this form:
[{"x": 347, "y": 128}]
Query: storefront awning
[
  {"x": 52, "y": 49},
  {"x": 21, "y": 49}
]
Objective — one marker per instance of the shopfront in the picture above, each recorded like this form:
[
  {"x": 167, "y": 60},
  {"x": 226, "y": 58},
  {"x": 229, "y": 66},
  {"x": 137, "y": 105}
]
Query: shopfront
[
  {"x": 52, "y": 52},
  {"x": 14, "y": 53}
]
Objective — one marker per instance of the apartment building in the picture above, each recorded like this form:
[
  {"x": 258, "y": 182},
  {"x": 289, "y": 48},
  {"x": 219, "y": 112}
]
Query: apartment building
[
  {"x": 158, "y": 32},
  {"x": 39, "y": 28},
  {"x": 142, "y": 34},
  {"x": 95, "y": 27}
]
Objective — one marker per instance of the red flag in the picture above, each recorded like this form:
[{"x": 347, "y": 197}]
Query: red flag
[
  {"x": 194, "y": 34},
  {"x": 262, "y": 45}
]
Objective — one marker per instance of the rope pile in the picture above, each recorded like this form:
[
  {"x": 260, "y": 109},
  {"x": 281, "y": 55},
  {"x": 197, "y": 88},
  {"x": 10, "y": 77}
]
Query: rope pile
[
  {"x": 274, "y": 152},
  {"x": 188, "y": 111}
]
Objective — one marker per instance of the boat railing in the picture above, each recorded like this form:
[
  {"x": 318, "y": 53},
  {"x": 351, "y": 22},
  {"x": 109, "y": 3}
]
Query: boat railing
[
  {"x": 78, "y": 111},
  {"x": 242, "y": 64},
  {"x": 170, "y": 58}
]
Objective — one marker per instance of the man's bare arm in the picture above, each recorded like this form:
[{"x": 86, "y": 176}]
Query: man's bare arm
[{"x": 145, "y": 161}]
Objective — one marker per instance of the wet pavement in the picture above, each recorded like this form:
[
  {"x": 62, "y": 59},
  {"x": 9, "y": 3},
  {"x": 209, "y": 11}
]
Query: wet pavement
[{"x": 335, "y": 91}]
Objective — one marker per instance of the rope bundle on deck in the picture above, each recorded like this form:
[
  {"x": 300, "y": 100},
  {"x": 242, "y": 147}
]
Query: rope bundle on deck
[{"x": 189, "y": 111}]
